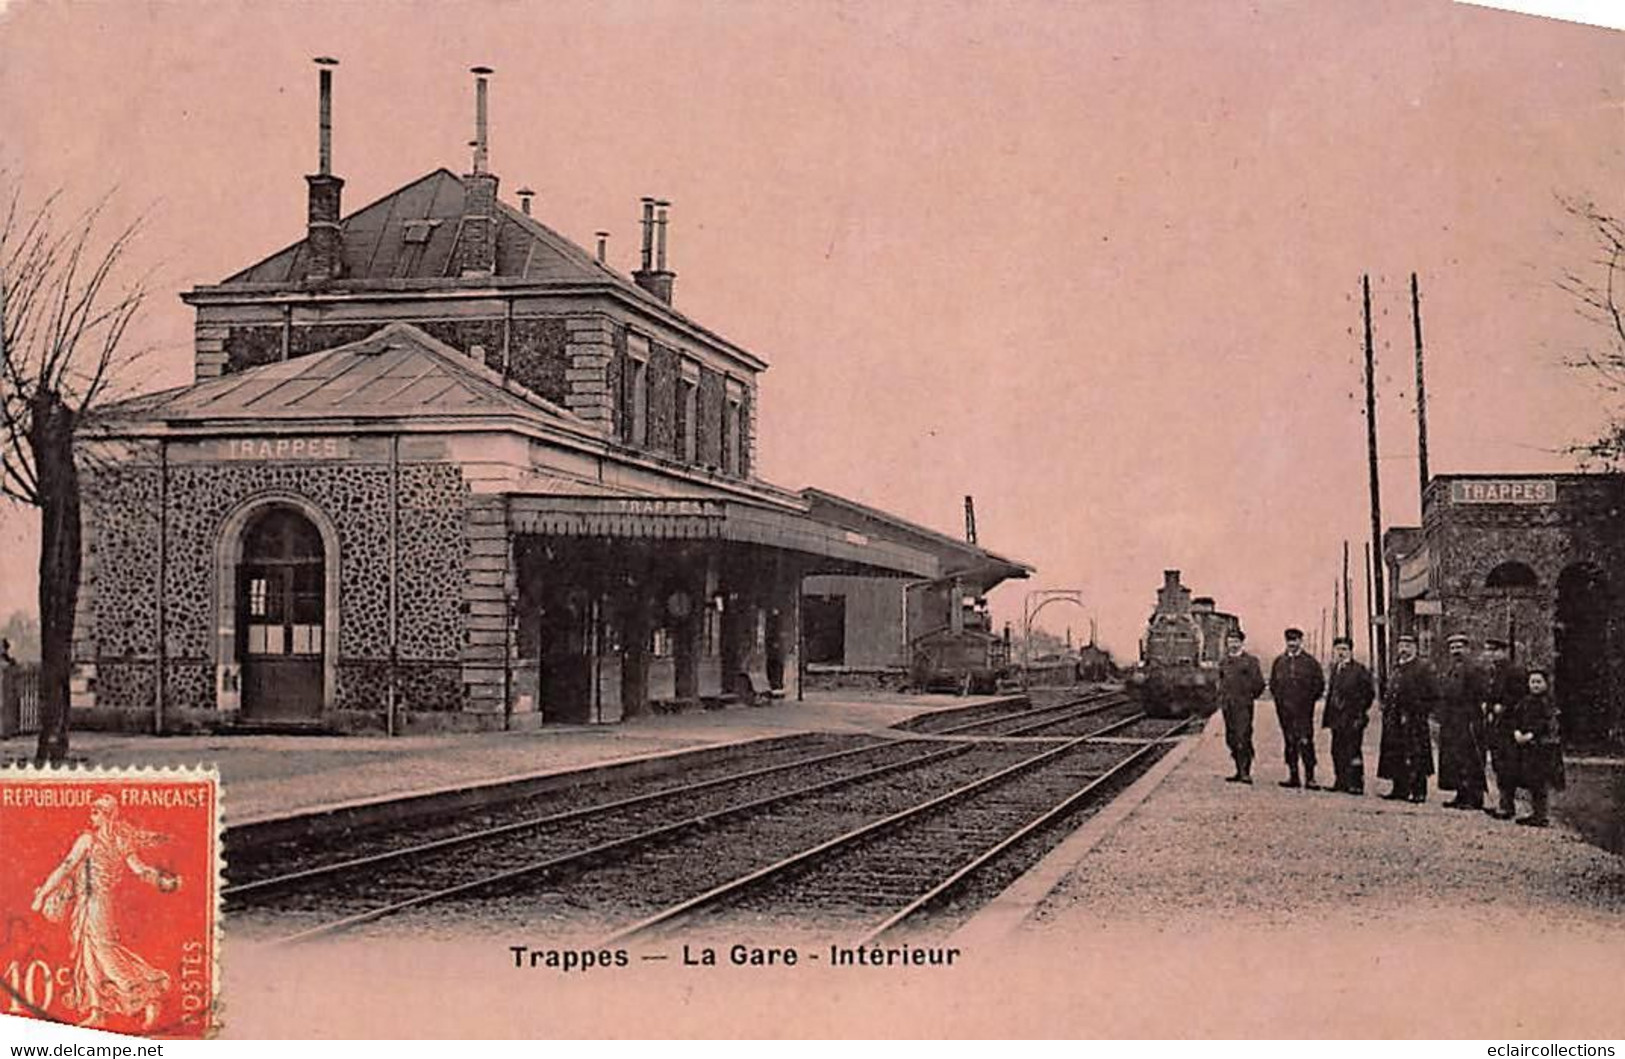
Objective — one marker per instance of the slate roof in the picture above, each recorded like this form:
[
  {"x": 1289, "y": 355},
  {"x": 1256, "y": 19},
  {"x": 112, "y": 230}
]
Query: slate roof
[
  {"x": 413, "y": 232},
  {"x": 409, "y": 239}
]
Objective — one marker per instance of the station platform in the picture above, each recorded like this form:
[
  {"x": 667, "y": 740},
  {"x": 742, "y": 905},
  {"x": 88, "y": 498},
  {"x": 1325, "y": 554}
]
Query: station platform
[
  {"x": 1190, "y": 908},
  {"x": 266, "y": 777},
  {"x": 1197, "y": 907}
]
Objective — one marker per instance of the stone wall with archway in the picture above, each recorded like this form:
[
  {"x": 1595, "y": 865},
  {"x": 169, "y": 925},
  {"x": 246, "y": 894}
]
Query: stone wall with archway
[
  {"x": 1497, "y": 567},
  {"x": 228, "y": 558},
  {"x": 205, "y": 505}
]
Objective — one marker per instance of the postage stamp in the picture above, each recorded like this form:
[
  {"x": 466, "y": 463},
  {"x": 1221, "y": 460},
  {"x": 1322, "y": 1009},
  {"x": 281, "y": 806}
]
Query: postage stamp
[{"x": 109, "y": 892}]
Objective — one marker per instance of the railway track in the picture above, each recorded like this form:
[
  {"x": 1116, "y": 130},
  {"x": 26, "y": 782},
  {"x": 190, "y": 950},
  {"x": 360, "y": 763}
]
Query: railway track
[
  {"x": 609, "y": 858},
  {"x": 891, "y": 872},
  {"x": 291, "y": 864}
]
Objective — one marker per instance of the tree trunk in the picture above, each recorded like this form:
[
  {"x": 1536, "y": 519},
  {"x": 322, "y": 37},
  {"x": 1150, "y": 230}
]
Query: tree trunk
[{"x": 51, "y": 438}]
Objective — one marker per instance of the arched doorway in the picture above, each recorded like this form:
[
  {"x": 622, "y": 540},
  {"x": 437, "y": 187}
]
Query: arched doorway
[
  {"x": 1580, "y": 648},
  {"x": 281, "y": 615},
  {"x": 1517, "y": 587}
]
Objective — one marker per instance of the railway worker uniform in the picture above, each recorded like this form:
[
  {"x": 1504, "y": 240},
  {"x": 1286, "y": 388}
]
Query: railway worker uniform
[
  {"x": 1349, "y": 694},
  {"x": 1461, "y": 728},
  {"x": 1407, "y": 744},
  {"x": 1241, "y": 681},
  {"x": 1505, "y": 685},
  {"x": 1296, "y": 681}
]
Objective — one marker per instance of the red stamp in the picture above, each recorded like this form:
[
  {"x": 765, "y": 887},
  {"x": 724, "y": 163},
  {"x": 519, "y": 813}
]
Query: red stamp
[{"x": 109, "y": 892}]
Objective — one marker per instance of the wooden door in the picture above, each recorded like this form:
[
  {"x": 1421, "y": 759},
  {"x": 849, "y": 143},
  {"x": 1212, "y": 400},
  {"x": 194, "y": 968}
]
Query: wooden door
[{"x": 281, "y": 619}]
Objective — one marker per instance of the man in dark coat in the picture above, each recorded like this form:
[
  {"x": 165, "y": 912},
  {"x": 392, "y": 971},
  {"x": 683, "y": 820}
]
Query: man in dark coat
[
  {"x": 1349, "y": 693},
  {"x": 1407, "y": 745},
  {"x": 1461, "y": 728},
  {"x": 1241, "y": 681},
  {"x": 1296, "y": 681},
  {"x": 1505, "y": 685}
]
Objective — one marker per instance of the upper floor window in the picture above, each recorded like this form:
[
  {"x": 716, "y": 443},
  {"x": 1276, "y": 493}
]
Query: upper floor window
[
  {"x": 730, "y": 437},
  {"x": 733, "y": 429},
  {"x": 637, "y": 390},
  {"x": 688, "y": 413}
]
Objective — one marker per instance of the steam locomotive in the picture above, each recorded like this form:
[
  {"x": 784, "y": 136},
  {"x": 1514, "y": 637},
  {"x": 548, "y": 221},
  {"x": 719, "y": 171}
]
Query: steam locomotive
[{"x": 1178, "y": 672}]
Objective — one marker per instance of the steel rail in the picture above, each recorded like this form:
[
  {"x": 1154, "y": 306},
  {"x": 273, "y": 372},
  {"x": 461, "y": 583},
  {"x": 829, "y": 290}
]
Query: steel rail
[
  {"x": 387, "y": 858},
  {"x": 812, "y": 855},
  {"x": 577, "y": 856},
  {"x": 1103, "y": 698},
  {"x": 642, "y": 838},
  {"x": 981, "y": 860}
]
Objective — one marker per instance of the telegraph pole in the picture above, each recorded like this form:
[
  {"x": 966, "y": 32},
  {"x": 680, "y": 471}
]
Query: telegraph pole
[
  {"x": 1370, "y": 614},
  {"x": 1421, "y": 391},
  {"x": 1348, "y": 613},
  {"x": 1379, "y": 634}
]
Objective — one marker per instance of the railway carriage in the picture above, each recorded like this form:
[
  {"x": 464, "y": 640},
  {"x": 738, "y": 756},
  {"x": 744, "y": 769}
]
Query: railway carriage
[{"x": 967, "y": 662}]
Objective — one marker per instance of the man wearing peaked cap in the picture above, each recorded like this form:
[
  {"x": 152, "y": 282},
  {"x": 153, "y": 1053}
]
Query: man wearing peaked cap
[
  {"x": 1349, "y": 694},
  {"x": 1407, "y": 745},
  {"x": 1461, "y": 727},
  {"x": 1505, "y": 684},
  {"x": 1296, "y": 681},
  {"x": 1241, "y": 681}
]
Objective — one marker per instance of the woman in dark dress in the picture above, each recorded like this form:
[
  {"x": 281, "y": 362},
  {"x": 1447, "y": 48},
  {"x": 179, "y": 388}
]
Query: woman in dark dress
[{"x": 1536, "y": 748}]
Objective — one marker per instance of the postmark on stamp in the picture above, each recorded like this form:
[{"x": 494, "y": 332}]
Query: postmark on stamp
[{"x": 109, "y": 898}]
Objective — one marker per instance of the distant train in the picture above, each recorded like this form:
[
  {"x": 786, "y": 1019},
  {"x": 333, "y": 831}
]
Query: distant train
[
  {"x": 1180, "y": 652},
  {"x": 960, "y": 652},
  {"x": 968, "y": 662}
]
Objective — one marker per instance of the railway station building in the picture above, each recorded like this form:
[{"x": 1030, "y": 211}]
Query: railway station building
[
  {"x": 1537, "y": 560},
  {"x": 443, "y": 468}
]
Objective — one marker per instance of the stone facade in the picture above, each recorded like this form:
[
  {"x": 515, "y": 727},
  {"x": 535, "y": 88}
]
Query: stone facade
[
  {"x": 1539, "y": 558},
  {"x": 130, "y": 534}
]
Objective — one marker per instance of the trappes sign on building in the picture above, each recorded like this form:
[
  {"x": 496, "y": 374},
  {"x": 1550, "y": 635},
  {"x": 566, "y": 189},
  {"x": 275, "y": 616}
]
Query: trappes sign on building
[{"x": 1504, "y": 491}]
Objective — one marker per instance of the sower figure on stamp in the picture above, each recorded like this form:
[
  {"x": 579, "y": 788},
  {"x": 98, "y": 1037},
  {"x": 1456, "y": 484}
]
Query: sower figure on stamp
[
  {"x": 1241, "y": 681},
  {"x": 1349, "y": 694},
  {"x": 1296, "y": 681},
  {"x": 1461, "y": 728},
  {"x": 106, "y": 977},
  {"x": 1507, "y": 683},
  {"x": 1407, "y": 745}
]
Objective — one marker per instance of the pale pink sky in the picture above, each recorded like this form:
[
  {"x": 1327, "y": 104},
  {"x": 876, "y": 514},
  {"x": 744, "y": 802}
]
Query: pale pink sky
[{"x": 1097, "y": 264}]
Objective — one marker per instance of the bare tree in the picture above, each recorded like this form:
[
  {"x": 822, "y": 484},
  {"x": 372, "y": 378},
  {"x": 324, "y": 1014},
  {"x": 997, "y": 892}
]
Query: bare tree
[
  {"x": 1599, "y": 290},
  {"x": 64, "y": 309}
]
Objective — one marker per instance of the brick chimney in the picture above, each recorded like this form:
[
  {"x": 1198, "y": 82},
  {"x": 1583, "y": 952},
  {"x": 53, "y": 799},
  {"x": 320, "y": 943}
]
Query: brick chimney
[
  {"x": 324, "y": 241},
  {"x": 654, "y": 276},
  {"x": 477, "y": 246}
]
